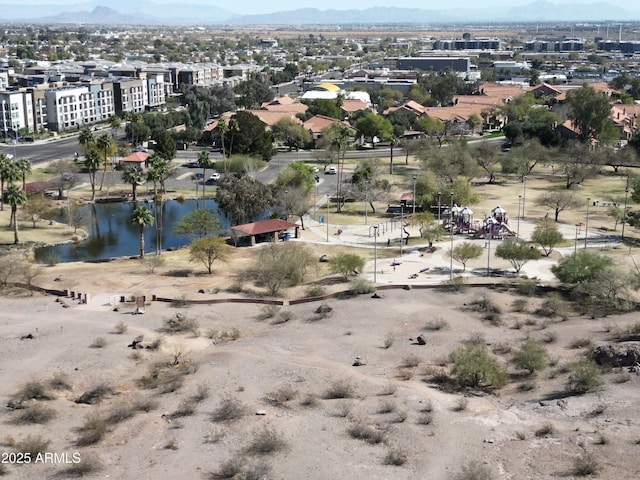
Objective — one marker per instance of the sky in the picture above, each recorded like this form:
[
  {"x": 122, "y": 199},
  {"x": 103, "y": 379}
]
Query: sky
[{"x": 261, "y": 6}]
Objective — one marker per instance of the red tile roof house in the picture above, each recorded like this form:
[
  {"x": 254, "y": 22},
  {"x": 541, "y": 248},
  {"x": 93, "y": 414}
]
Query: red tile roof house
[
  {"x": 262, "y": 231},
  {"x": 139, "y": 159}
]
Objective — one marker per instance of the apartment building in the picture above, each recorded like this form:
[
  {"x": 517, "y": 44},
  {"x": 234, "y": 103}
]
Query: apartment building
[
  {"x": 74, "y": 107},
  {"x": 130, "y": 95},
  {"x": 16, "y": 110}
]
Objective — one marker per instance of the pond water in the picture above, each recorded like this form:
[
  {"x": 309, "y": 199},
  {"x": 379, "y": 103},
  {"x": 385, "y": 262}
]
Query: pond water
[{"x": 112, "y": 235}]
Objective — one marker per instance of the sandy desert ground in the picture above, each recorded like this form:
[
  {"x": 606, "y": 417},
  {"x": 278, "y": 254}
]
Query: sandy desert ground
[{"x": 153, "y": 419}]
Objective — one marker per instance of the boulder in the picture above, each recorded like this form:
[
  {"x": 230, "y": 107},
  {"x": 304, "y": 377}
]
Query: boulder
[
  {"x": 421, "y": 340},
  {"x": 626, "y": 354}
]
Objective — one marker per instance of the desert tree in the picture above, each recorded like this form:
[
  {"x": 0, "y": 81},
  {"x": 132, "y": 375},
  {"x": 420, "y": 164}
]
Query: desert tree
[
  {"x": 590, "y": 112},
  {"x": 518, "y": 254},
  {"x": 207, "y": 250},
  {"x": 280, "y": 265},
  {"x": 558, "y": 201},
  {"x": 346, "y": 264},
  {"x": 197, "y": 224},
  {"x": 38, "y": 207},
  {"x": 486, "y": 155},
  {"x": 464, "y": 252},
  {"x": 579, "y": 162},
  {"x": 475, "y": 367},
  {"x": 546, "y": 235},
  {"x": 617, "y": 214},
  {"x": 24, "y": 169},
  {"x": 532, "y": 356},
  {"x": 581, "y": 266}
]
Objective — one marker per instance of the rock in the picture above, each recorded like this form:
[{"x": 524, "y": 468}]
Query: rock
[
  {"x": 421, "y": 340},
  {"x": 201, "y": 291},
  {"x": 358, "y": 362},
  {"x": 625, "y": 354},
  {"x": 261, "y": 412},
  {"x": 375, "y": 295},
  {"x": 323, "y": 258}
]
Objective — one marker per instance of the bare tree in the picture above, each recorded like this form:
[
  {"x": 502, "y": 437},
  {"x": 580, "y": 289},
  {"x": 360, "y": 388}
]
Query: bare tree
[{"x": 558, "y": 201}]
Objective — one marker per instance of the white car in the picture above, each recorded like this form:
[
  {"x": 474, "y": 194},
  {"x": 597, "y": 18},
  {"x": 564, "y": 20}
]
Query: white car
[
  {"x": 215, "y": 176},
  {"x": 332, "y": 171}
]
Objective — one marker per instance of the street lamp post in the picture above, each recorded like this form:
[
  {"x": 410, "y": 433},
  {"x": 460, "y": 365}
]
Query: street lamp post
[
  {"x": 518, "y": 228},
  {"x": 489, "y": 249},
  {"x": 327, "y": 220},
  {"x": 451, "y": 235},
  {"x": 414, "y": 197},
  {"x": 366, "y": 198},
  {"x": 524, "y": 193},
  {"x": 375, "y": 253},
  {"x": 286, "y": 211},
  {"x": 401, "y": 227},
  {"x": 439, "y": 195},
  {"x": 624, "y": 212},
  {"x": 586, "y": 224},
  {"x": 575, "y": 241}
]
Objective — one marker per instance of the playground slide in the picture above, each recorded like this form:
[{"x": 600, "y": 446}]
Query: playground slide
[{"x": 508, "y": 228}]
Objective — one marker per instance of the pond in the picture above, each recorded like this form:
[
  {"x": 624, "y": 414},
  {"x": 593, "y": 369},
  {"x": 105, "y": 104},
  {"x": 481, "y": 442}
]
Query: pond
[{"x": 112, "y": 235}]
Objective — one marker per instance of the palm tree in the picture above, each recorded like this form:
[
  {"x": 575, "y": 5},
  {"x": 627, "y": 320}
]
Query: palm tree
[
  {"x": 15, "y": 197},
  {"x": 105, "y": 145},
  {"x": 233, "y": 127},
  {"x": 222, "y": 128},
  {"x": 141, "y": 216},
  {"x": 9, "y": 173},
  {"x": 24, "y": 167},
  {"x": 205, "y": 162},
  {"x": 92, "y": 162},
  {"x": 86, "y": 138},
  {"x": 134, "y": 176},
  {"x": 157, "y": 173},
  {"x": 115, "y": 123},
  {"x": 340, "y": 142}
]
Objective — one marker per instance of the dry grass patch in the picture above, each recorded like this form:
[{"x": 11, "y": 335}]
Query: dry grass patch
[
  {"x": 92, "y": 431},
  {"x": 96, "y": 394},
  {"x": 229, "y": 409},
  {"x": 340, "y": 389},
  {"x": 32, "y": 445},
  {"x": 38, "y": 414},
  {"x": 369, "y": 433},
  {"x": 265, "y": 441},
  {"x": 89, "y": 464},
  {"x": 281, "y": 395}
]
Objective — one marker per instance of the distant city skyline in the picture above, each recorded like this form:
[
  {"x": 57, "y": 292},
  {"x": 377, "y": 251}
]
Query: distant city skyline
[{"x": 248, "y": 7}]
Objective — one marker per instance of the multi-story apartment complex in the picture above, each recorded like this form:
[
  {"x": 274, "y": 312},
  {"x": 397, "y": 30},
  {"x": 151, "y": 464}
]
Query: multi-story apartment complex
[
  {"x": 75, "y": 107},
  {"x": 130, "y": 95},
  {"x": 16, "y": 110}
]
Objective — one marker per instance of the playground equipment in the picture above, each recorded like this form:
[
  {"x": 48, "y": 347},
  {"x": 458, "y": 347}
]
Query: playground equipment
[{"x": 461, "y": 220}]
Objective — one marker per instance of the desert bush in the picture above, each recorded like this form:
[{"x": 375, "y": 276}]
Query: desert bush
[
  {"x": 180, "y": 323},
  {"x": 601, "y": 439},
  {"x": 485, "y": 304},
  {"x": 501, "y": 348},
  {"x": 267, "y": 312},
  {"x": 99, "y": 342},
  {"x": 584, "y": 465},
  {"x": 120, "y": 328},
  {"x": 343, "y": 409},
  {"x": 405, "y": 374},
  {"x": 144, "y": 404},
  {"x": 231, "y": 468},
  {"x": 87, "y": 465},
  {"x": 315, "y": 291},
  {"x": 410, "y": 361},
  {"x": 519, "y": 305},
  {"x": 280, "y": 395},
  {"x": 425, "y": 419},
  {"x": 474, "y": 367},
  {"x": 436, "y": 324},
  {"x": 474, "y": 470},
  {"x": 532, "y": 356},
  {"x": 395, "y": 456},
  {"x": 186, "y": 408},
  {"x": 427, "y": 407},
  {"x": 202, "y": 393},
  {"x": 581, "y": 343},
  {"x": 526, "y": 386},
  {"x": 399, "y": 417},
  {"x": 386, "y": 406},
  {"x": 34, "y": 390},
  {"x": 340, "y": 389},
  {"x": 266, "y": 440},
  {"x": 221, "y": 336},
  {"x": 545, "y": 430},
  {"x": 36, "y": 414},
  {"x": 584, "y": 377},
  {"x": 33, "y": 445},
  {"x": 527, "y": 288},
  {"x": 368, "y": 433},
  {"x": 96, "y": 394},
  {"x": 228, "y": 409},
  {"x": 361, "y": 286},
  {"x": 155, "y": 344},
  {"x": 550, "y": 307},
  {"x": 550, "y": 337},
  {"x": 309, "y": 400},
  {"x": 92, "y": 431},
  {"x": 171, "y": 444},
  {"x": 389, "y": 338},
  {"x": 388, "y": 389},
  {"x": 455, "y": 284},
  {"x": 152, "y": 262},
  {"x": 283, "y": 317},
  {"x": 520, "y": 435},
  {"x": 120, "y": 413},
  {"x": 517, "y": 325},
  {"x": 59, "y": 381},
  {"x": 461, "y": 404},
  {"x": 323, "y": 311}
]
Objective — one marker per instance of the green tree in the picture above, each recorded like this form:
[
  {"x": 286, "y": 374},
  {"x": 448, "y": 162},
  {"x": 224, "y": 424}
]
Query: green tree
[
  {"x": 590, "y": 112},
  {"x": 253, "y": 92},
  {"x": 346, "y": 264},
  {"x": 464, "y": 252},
  {"x": 517, "y": 253},
  {"x": 327, "y": 108},
  {"x": 617, "y": 214},
  {"x": 581, "y": 266},
  {"x": 24, "y": 168},
  {"x": 8, "y": 173},
  {"x": 243, "y": 199},
  {"x": 547, "y": 236},
  {"x": 475, "y": 367},
  {"x": 290, "y": 133},
  {"x": 142, "y": 218},
  {"x": 280, "y": 265},
  {"x": 198, "y": 223},
  {"x": 521, "y": 160},
  {"x": 86, "y": 139},
  {"x": 15, "y": 197},
  {"x": 92, "y": 164},
  {"x": 115, "y": 122},
  {"x": 584, "y": 377},
  {"x": 579, "y": 162},
  {"x": 134, "y": 176},
  {"x": 532, "y": 356},
  {"x": 370, "y": 125},
  {"x": 487, "y": 158},
  {"x": 558, "y": 201},
  {"x": 207, "y": 250},
  {"x": 251, "y": 137},
  {"x": 106, "y": 146},
  {"x": 433, "y": 127},
  {"x": 165, "y": 145}
]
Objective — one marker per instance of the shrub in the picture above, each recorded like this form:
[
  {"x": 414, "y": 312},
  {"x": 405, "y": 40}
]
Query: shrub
[
  {"x": 437, "y": 324},
  {"x": 221, "y": 336},
  {"x": 396, "y": 457},
  {"x": 32, "y": 445},
  {"x": 99, "y": 342},
  {"x": 410, "y": 361},
  {"x": 425, "y": 419},
  {"x": 389, "y": 338},
  {"x": 340, "y": 389},
  {"x": 584, "y": 465},
  {"x": 120, "y": 328},
  {"x": 267, "y": 312},
  {"x": 315, "y": 291},
  {"x": 461, "y": 404},
  {"x": 343, "y": 409},
  {"x": 120, "y": 414},
  {"x": 87, "y": 465},
  {"x": 231, "y": 468},
  {"x": 388, "y": 389},
  {"x": 361, "y": 286},
  {"x": 474, "y": 367},
  {"x": 545, "y": 430},
  {"x": 309, "y": 400},
  {"x": 368, "y": 433},
  {"x": 532, "y": 356},
  {"x": 549, "y": 337},
  {"x": 202, "y": 393},
  {"x": 584, "y": 377},
  {"x": 59, "y": 381},
  {"x": 283, "y": 317},
  {"x": 581, "y": 343},
  {"x": 180, "y": 323},
  {"x": 36, "y": 414},
  {"x": 551, "y": 307},
  {"x": 34, "y": 390},
  {"x": 229, "y": 409},
  {"x": 386, "y": 407},
  {"x": 186, "y": 408},
  {"x": 455, "y": 284},
  {"x": 527, "y": 288},
  {"x": 519, "y": 305},
  {"x": 266, "y": 440},
  {"x": 346, "y": 264},
  {"x": 96, "y": 394},
  {"x": 474, "y": 470},
  {"x": 92, "y": 431},
  {"x": 280, "y": 395},
  {"x": 172, "y": 444}
]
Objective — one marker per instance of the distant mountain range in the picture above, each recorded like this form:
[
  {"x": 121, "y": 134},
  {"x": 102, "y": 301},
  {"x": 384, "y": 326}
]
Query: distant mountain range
[{"x": 123, "y": 12}]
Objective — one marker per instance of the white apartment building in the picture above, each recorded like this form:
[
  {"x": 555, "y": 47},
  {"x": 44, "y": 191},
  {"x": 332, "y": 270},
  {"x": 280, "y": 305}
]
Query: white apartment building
[
  {"x": 78, "y": 106},
  {"x": 130, "y": 95},
  {"x": 16, "y": 111}
]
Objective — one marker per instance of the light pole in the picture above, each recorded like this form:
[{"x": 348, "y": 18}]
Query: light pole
[
  {"x": 401, "y": 227},
  {"x": 489, "y": 247},
  {"x": 586, "y": 224},
  {"x": 366, "y": 198},
  {"x": 327, "y": 220},
  {"x": 624, "y": 212},
  {"x": 524, "y": 193},
  {"x": 518, "y": 230},
  {"x": 451, "y": 234},
  {"x": 315, "y": 197},
  {"x": 286, "y": 211},
  {"x": 414, "y": 197},
  {"x": 375, "y": 253},
  {"x": 439, "y": 195},
  {"x": 575, "y": 241}
]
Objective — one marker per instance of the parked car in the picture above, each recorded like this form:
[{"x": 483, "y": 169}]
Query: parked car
[
  {"x": 215, "y": 176},
  {"x": 332, "y": 171}
]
